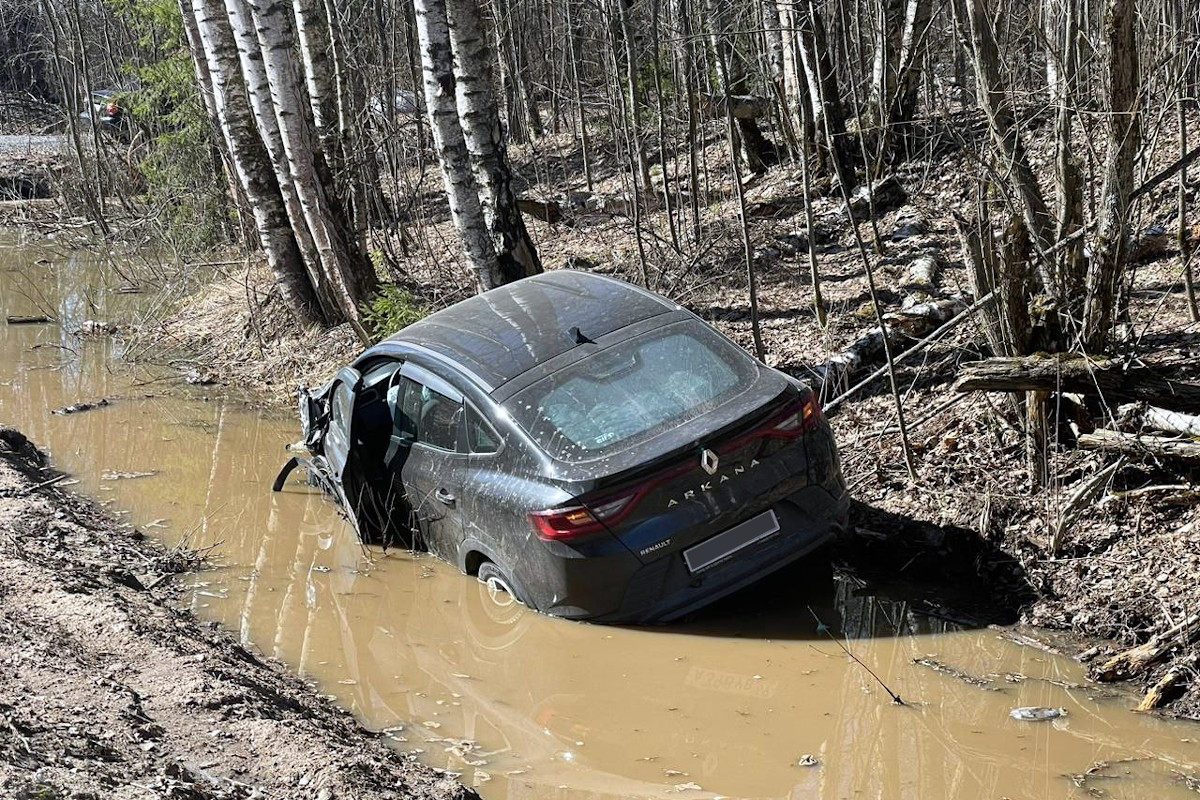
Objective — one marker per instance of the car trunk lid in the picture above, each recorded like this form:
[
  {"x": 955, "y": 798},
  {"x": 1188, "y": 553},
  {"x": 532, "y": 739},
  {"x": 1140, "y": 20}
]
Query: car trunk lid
[{"x": 716, "y": 478}]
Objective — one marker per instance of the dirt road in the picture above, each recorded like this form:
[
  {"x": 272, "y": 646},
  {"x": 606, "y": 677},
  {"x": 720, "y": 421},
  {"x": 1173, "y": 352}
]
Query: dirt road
[{"x": 109, "y": 691}]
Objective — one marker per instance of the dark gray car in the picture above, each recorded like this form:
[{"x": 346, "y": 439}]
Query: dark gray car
[{"x": 590, "y": 447}]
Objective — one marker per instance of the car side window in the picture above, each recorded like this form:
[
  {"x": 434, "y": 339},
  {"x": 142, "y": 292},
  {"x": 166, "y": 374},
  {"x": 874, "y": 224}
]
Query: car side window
[
  {"x": 404, "y": 424},
  {"x": 428, "y": 417},
  {"x": 481, "y": 437}
]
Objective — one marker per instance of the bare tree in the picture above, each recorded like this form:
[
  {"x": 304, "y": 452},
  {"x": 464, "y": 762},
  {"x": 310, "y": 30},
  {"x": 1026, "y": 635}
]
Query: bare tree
[
  {"x": 479, "y": 118},
  {"x": 215, "y": 54}
]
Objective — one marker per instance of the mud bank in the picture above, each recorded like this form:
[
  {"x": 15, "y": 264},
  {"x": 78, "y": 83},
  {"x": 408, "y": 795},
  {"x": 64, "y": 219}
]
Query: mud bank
[{"x": 110, "y": 691}]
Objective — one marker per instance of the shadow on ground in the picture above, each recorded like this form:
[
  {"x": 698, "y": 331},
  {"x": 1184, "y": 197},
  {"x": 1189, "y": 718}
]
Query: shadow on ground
[{"x": 893, "y": 576}]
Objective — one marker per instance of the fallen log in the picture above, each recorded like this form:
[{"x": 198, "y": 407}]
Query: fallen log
[
  {"x": 78, "y": 408},
  {"x": 1166, "y": 174},
  {"x": 924, "y": 274},
  {"x": 1136, "y": 416},
  {"x": 911, "y": 323},
  {"x": 1136, "y": 660},
  {"x": 17, "y": 319},
  {"x": 904, "y": 353},
  {"x": 545, "y": 210},
  {"x": 1079, "y": 374},
  {"x": 1140, "y": 445},
  {"x": 882, "y": 196},
  {"x": 743, "y": 106}
]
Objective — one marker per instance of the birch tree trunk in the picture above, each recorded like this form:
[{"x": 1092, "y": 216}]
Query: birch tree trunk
[
  {"x": 914, "y": 35},
  {"x": 479, "y": 117},
  {"x": 731, "y": 79},
  {"x": 896, "y": 74},
  {"x": 211, "y": 41},
  {"x": 795, "y": 82},
  {"x": 258, "y": 89},
  {"x": 437, "y": 65},
  {"x": 316, "y": 50},
  {"x": 889, "y": 16},
  {"x": 351, "y": 276}
]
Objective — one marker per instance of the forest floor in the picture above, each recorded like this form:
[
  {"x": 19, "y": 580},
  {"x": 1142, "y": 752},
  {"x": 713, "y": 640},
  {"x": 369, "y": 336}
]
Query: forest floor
[
  {"x": 112, "y": 691},
  {"x": 1128, "y": 567}
]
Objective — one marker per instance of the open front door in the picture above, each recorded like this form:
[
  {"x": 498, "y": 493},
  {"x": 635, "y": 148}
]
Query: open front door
[{"x": 340, "y": 437}]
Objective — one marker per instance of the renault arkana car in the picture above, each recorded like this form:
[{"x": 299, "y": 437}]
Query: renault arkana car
[{"x": 589, "y": 447}]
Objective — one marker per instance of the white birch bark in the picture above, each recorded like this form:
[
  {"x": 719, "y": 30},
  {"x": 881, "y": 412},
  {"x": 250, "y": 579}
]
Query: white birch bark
[
  {"x": 258, "y": 88},
  {"x": 316, "y": 48},
  {"x": 462, "y": 191},
  {"x": 212, "y": 45},
  {"x": 479, "y": 118},
  {"x": 883, "y": 64},
  {"x": 773, "y": 33},
  {"x": 350, "y": 275},
  {"x": 917, "y": 14},
  {"x": 203, "y": 76}
]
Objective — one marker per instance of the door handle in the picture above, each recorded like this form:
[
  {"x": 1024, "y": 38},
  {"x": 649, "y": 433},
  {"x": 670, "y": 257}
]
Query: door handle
[{"x": 444, "y": 497}]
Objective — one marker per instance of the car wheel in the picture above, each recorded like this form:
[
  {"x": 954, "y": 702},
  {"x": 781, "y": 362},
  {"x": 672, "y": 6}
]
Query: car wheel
[
  {"x": 497, "y": 619},
  {"x": 500, "y": 588}
]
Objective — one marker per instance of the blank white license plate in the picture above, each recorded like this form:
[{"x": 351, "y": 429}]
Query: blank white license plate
[{"x": 744, "y": 534}]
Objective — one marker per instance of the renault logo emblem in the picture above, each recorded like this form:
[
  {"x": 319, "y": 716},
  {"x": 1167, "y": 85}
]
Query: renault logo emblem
[{"x": 709, "y": 461}]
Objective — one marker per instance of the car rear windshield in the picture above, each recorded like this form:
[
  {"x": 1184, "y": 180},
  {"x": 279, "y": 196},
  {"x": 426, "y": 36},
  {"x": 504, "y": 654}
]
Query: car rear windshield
[{"x": 632, "y": 390}]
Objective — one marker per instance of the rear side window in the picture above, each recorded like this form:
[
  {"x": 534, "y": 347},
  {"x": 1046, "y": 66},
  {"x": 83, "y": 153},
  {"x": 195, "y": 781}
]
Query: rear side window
[
  {"x": 427, "y": 416},
  {"x": 632, "y": 390},
  {"x": 481, "y": 437}
]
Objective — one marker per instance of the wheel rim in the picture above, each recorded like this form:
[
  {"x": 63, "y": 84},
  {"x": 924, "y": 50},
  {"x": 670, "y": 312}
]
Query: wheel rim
[{"x": 499, "y": 592}]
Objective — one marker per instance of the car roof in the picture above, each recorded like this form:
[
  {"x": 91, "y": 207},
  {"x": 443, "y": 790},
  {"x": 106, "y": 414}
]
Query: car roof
[{"x": 503, "y": 333}]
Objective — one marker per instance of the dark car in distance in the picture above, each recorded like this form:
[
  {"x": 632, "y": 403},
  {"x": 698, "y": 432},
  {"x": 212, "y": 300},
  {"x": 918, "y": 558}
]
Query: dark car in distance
[
  {"x": 105, "y": 108},
  {"x": 591, "y": 448}
]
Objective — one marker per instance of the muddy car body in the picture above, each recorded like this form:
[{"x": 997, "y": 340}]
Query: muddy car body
[{"x": 592, "y": 448}]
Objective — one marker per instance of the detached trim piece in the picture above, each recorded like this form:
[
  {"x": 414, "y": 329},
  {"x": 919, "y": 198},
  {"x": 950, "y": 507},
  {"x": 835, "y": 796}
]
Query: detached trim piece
[{"x": 282, "y": 477}]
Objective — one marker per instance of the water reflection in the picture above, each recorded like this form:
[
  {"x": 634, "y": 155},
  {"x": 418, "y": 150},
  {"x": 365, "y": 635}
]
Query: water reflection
[{"x": 522, "y": 704}]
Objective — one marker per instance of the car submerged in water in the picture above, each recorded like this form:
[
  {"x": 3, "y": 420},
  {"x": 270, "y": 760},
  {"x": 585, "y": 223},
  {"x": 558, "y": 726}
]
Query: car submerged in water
[{"x": 593, "y": 449}]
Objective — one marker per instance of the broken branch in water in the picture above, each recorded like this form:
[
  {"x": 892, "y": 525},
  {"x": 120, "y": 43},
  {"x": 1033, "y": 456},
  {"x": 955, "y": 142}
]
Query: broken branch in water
[
  {"x": 1159, "y": 694},
  {"x": 39, "y": 319},
  {"x": 80, "y": 407},
  {"x": 823, "y": 628}
]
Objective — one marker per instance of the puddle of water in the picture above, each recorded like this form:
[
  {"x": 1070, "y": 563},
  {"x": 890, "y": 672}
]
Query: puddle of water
[{"x": 526, "y": 706}]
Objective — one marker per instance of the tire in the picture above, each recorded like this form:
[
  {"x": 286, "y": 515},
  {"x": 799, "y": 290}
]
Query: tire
[
  {"x": 499, "y": 585},
  {"x": 496, "y": 618}
]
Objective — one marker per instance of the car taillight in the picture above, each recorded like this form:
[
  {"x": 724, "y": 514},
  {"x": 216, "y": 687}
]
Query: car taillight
[
  {"x": 796, "y": 421},
  {"x": 570, "y": 522}
]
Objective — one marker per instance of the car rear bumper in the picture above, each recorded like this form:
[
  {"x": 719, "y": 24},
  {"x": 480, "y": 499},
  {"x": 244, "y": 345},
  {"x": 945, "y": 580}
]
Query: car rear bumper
[{"x": 665, "y": 589}]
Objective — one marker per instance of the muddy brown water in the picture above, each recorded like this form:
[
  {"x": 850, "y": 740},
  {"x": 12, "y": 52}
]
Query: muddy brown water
[{"x": 523, "y": 706}]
